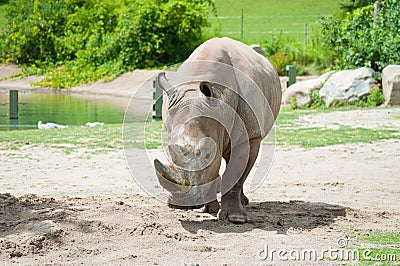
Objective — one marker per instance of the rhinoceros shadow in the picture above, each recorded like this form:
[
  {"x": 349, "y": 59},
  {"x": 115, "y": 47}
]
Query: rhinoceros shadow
[
  {"x": 34, "y": 215},
  {"x": 275, "y": 216}
]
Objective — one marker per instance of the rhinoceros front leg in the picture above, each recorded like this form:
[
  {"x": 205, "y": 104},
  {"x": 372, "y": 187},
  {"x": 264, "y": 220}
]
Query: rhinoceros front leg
[{"x": 231, "y": 202}]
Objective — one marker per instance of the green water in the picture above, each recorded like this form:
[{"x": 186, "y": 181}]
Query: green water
[{"x": 57, "y": 108}]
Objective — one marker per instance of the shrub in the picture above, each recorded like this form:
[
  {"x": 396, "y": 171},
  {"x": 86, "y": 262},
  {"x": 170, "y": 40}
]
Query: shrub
[
  {"x": 316, "y": 101},
  {"x": 356, "y": 42},
  {"x": 279, "y": 61},
  {"x": 374, "y": 98},
  {"x": 93, "y": 39},
  {"x": 310, "y": 59}
]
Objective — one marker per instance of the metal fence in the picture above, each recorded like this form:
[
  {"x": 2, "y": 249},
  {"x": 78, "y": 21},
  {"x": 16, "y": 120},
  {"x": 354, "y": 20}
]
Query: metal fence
[{"x": 255, "y": 28}]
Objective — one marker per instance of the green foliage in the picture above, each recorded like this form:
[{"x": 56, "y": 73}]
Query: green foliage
[
  {"x": 280, "y": 61},
  {"x": 316, "y": 101},
  {"x": 374, "y": 98},
  {"x": 310, "y": 59},
  {"x": 356, "y": 42},
  {"x": 95, "y": 39},
  {"x": 350, "y": 5},
  {"x": 293, "y": 103}
]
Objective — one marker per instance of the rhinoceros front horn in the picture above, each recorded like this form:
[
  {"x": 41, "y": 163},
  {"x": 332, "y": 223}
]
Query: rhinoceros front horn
[{"x": 166, "y": 177}]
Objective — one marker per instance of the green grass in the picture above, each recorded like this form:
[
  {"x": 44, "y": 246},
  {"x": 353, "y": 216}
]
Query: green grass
[
  {"x": 289, "y": 135},
  {"x": 150, "y": 136},
  {"x": 319, "y": 137},
  {"x": 384, "y": 256},
  {"x": 265, "y": 17},
  {"x": 377, "y": 247},
  {"x": 382, "y": 238},
  {"x": 103, "y": 138}
]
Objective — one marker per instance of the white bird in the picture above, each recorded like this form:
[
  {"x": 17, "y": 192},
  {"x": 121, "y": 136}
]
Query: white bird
[
  {"x": 49, "y": 125},
  {"x": 94, "y": 124}
]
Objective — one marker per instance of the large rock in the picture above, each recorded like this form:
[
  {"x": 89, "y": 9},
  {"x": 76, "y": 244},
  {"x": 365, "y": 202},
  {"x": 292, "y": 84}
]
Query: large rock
[
  {"x": 348, "y": 85},
  {"x": 301, "y": 90},
  {"x": 391, "y": 84}
]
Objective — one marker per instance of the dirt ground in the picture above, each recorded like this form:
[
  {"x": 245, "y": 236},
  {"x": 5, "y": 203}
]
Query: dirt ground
[{"x": 85, "y": 208}]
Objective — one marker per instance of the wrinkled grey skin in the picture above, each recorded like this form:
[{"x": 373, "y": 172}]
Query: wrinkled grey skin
[{"x": 222, "y": 102}]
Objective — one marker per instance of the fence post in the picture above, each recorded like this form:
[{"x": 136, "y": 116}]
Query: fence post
[
  {"x": 291, "y": 74},
  {"x": 158, "y": 99},
  {"x": 241, "y": 25},
  {"x": 305, "y": 35},
  {"x": 13, "y": 104},
  {"x": 377, "y": 6}
]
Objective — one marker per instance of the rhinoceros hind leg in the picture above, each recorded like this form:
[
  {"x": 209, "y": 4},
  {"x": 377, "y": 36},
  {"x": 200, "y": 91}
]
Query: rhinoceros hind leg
[{"x": 212, "y": 207}]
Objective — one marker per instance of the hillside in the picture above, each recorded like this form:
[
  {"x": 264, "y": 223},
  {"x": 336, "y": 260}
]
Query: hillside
[{"x": 265, "y": 17}]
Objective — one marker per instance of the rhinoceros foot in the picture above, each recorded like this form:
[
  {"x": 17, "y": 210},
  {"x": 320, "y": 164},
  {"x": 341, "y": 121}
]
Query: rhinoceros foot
[
  {"x": 232, "y": 216},
  {"x": 232, "y": 211}
]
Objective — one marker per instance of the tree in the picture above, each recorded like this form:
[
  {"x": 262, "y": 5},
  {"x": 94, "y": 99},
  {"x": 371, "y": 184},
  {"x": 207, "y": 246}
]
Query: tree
[
  {"x": 351, "y": 5},
  {"x": 86, "y": 40},
  {"x": 357, "y": 41}
]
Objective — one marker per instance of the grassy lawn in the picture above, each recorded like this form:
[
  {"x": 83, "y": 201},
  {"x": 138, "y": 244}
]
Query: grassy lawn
[
  {"x": 109, "y": 137},
  {"x": 377, "y": 247},
  {"x": 103, "y": 138},
  {"x": 265, "y": 17}
]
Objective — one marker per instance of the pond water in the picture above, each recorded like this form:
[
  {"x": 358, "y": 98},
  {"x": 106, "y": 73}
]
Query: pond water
[{"x": 57, "y": 108}]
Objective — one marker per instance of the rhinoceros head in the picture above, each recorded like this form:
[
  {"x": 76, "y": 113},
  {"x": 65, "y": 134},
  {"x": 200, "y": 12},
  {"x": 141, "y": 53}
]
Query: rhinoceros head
[{"x": 194, "y": 148}]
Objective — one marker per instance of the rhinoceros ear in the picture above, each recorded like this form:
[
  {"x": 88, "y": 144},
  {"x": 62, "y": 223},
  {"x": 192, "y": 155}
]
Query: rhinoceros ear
[
  {"x": 206, "y": 89},
  {"x": 164, "y": 84}
]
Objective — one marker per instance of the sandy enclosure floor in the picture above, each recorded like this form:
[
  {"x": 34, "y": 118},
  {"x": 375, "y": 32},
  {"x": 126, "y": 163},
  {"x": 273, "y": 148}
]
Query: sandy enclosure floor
[{"x": 86, "y": 208}]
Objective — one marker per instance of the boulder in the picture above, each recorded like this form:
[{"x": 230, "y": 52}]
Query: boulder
[
  {"x": 257, "y": 48},
  {"x": 391, "y": 84},
  {"x": 301, "y": 90},
  {"x": 348, "y": 85}
]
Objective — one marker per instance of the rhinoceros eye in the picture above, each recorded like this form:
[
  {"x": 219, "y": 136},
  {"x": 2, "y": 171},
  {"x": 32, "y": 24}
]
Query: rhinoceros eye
[{"x": 206, "y": 89}]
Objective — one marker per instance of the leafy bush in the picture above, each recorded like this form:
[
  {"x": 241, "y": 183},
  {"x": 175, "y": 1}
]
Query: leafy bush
[
  {"x": 86, "y": 40},
  {"x": 374, "y": 98},
  {"x": 279, "y": 61},
  {"x": 310, "y": 59},
  {"x": 316, "y": 100},
  {"x": 315, "y": 103},
  {"x": 356, "y": 42},
  {"x": 350, "y": 5}
]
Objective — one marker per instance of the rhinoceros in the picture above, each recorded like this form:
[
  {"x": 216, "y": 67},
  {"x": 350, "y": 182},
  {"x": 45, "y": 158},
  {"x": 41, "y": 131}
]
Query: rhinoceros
[{"x": 220, "y": 104}]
